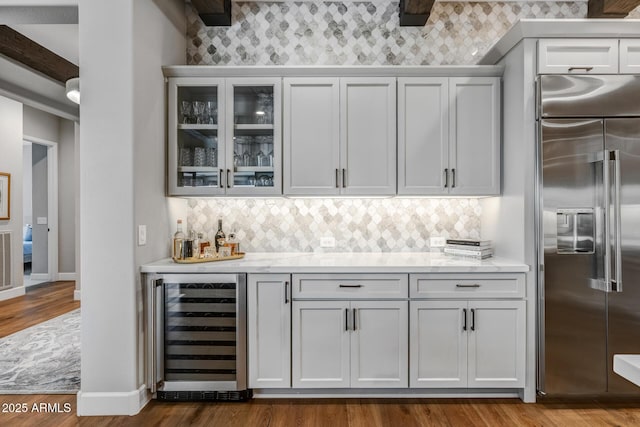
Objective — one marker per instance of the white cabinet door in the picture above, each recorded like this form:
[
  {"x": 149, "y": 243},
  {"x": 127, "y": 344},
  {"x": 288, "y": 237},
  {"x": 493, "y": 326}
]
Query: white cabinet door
[
  {"x": 578, "y": 56},
  {"x": 368, "y": 136},
  {"x": 379, "y": 344},
  {"x": 497, "y": 338},
  {"x": 423, "y": 135},
  {"x": 311, "y": 136},
  {"x": 269, "y": 330},
  {"x": 438, "y": 340},
  {"x": 630, "y": 56},
  {"x": 474, "y": 135},
  {"x": 320, "y": 338}
]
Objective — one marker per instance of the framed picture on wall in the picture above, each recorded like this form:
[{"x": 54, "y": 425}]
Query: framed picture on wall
[{"x": 5, "y": 195}]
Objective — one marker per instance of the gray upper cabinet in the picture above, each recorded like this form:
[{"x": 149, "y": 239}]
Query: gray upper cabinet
[
  {"x": 339, "y": 136},
  {"x": 449, "y": 136}
]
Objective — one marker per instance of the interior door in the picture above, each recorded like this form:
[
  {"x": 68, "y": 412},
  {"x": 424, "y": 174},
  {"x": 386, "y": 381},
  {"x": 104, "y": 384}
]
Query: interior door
[
  {"x": 622, "y": 136},
  {"x": 573, "y": 327}
]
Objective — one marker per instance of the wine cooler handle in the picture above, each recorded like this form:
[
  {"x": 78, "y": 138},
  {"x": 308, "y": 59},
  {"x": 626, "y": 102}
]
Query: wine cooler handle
[{"x": 153, "y": 330}]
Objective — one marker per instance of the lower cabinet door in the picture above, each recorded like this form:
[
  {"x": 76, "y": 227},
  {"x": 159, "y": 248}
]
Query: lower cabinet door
[
  {"x": 379, "y": 344},
  {"x": 497, "y": 337},
  {"x": 320, "y": 340},
  {"x": 269, "y": 330},
  {"x": 438, "y": 336}
]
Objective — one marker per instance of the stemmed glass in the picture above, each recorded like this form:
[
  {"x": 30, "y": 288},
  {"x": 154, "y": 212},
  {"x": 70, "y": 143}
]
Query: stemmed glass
[
  {"x": 211, "y": 112},
  {"x": 198, "y": 111},
  {"x": 185, "y": 111}
]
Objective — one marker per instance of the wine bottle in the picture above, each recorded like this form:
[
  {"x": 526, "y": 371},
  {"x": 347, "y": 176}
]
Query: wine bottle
[{"x": 220, "y": 236}]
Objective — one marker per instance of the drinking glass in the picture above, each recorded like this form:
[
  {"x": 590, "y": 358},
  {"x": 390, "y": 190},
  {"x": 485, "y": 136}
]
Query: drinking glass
[
  {"x": 186, "y": 158},
  {"x": 199, "y": 156},
  {"x": 198, "y": 111},
  {"x": 185, "y": 111},
  {"x": 211, "y": 112},
  {"x": 210, "y": 155}
]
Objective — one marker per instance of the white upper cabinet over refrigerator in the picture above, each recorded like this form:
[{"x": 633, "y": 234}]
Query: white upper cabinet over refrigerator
[
  {"x": 339, "y": 136},
  {"x": 449, "y": 136}
]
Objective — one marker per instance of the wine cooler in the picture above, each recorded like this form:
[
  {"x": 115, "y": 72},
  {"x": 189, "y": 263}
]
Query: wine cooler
[{"x": 197, "y": 337}]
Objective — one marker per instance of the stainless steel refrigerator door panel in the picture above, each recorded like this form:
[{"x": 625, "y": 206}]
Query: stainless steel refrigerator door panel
[
  {"x": 623, "y": 136},
  {"x": 573, "y": 346},
  {"x": 589, "y": 96}
]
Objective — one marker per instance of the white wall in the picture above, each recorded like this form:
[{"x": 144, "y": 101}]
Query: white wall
[
  {"x": 40, "y": 175},
  {"x": 27, "y": 183},
  {"x": 66, "y": 198},
  {"x": 40, "y": 125},
  {"x": 122, "y": 45},
  {"x": 11, "y": 162}
]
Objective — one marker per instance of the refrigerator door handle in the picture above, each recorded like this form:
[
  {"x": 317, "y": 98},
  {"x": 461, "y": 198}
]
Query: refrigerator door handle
[
  {"x": 606, "y": 186},
  {"x": 616, "y": 281}
]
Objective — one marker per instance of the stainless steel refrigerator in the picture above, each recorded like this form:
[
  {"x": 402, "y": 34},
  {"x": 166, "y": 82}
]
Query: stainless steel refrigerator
[{"x": 588, "y": 231}]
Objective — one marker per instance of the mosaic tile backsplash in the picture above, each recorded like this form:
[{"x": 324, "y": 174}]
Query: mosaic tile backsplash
[
  {"x": 358, "y": 225},
  {"x": 359, "y": 33}
]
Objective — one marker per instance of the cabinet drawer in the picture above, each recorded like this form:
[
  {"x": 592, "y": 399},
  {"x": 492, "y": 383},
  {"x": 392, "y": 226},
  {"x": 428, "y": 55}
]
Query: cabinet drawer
[
  {"x": 467, "y": 286},
  {"x": 350, "y": 286},
  {"x": 578, "y": 56},
  {"x": 629, "y": 56}
]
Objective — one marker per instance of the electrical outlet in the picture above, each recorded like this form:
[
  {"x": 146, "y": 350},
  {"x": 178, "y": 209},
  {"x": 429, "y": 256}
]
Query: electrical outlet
[
  {"x": 328, "y": 242},
  {"x": 142, "y": 235},
  {"x": 437, "y": 242}
]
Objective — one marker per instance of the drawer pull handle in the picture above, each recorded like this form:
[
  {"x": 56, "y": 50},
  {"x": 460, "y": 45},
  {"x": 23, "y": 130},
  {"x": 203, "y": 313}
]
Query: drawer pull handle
[
  {"x": 464, "y": 315},
  {"x": 587, "y": 69},
  {"x": 475, "y": 285},
  {"x": 286, "y": 292},
  {"x": 346, "y": 319},
  {"x": 350, "y": 286}
]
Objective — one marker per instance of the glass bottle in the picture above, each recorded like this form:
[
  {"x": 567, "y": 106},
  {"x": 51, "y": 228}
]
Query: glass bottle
[
  {"x": 178, "y": 242},
  {"x": 220, "y": 236},
  {"x": 233, "y": 243},
  {"x": 204, "y": 243}
]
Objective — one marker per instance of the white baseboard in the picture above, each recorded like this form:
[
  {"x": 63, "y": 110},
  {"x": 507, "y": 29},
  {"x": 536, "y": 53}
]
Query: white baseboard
[
  {"x": 112, "y": 403},
  {"x": 12, "y": 293},
  {"x": 40, "y": 276},
  {"x": 66, "y": 276},
  {"x": 76, "y": 295}
]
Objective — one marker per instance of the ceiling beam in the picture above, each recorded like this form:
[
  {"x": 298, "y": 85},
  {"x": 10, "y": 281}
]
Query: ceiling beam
[
  {"x": 611, "y": 8},
  {"x": 214, "y": 13},
  {"x": 25, "y": 51},
  {"x": 414, "y": 13}
]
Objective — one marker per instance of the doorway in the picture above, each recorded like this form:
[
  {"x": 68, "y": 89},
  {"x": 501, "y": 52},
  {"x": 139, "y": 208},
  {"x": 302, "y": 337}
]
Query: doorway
[{"x": 40, "y": 211}]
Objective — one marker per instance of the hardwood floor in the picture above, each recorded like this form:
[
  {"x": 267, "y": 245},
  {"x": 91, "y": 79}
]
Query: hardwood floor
[
  {"x": 333, "y": 413},
  {"x": 39, "y": 304}
]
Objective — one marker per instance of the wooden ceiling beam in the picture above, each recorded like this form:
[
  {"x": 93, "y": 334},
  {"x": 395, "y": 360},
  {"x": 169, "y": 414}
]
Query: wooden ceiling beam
[
  {"x": 414, "y": 13},
  {"x": 27, "y": 52},
  {"x": 611, "y": 8},
  {"x": 214, "y": 13}
]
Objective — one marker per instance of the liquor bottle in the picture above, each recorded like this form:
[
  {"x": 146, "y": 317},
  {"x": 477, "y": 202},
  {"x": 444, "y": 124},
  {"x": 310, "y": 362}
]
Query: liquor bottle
[
  {"x": 204, "y": 243},
  {"x": 178, "y": 242},
  {"x": 196, "y": 244},
  {"x": 233, "y": 243},
  {"x": 220, "y": 236}
]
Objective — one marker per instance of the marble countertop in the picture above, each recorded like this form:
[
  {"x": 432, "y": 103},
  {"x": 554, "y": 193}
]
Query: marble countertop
[
  {"x": 394, "y": 262},
  {"x": 560, "y": 28}
]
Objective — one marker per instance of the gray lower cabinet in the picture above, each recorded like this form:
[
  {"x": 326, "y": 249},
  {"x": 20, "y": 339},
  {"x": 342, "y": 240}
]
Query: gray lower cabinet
[{"x": 269, "y": 330}]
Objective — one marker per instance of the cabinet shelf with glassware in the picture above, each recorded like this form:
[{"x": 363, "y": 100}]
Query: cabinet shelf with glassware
[{"x": 224, "y": 136}]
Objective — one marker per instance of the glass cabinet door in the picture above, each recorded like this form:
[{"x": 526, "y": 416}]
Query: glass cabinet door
[
  {"x": 196, "y": 136},
  {"x": 253, "y": 138}
]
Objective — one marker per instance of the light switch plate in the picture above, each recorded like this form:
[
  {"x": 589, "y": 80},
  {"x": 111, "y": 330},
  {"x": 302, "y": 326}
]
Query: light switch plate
[
  {"x": 437, "y": 242},
  {"x": 328, "y": 242},
  {"x": 42, "y": 220},
  {"x": 142, "y": 235}
]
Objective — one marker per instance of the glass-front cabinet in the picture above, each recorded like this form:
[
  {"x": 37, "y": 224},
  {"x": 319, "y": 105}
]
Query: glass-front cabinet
[{"x": 224, "y": 136}]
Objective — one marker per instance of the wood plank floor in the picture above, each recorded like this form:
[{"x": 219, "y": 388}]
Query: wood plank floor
[
  {"x": 333, "y": 413},
  {"x": 39, "y": 304}
]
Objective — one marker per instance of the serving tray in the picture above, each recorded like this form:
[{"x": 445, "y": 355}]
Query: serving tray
[{"x": 199, "y": 260}]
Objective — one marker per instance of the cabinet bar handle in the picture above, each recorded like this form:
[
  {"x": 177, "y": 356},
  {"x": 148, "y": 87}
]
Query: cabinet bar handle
[
  {"x": 354, "y": 319},
  {"x": 350, "y": 286},
  {"x": 464, "y": 319},
  {"x": 344, "y": 178},
  {"x": 286, "y": 292},
  {"x": 346, "y": 319},
  {"x": 473, "y": 319},
  {"x": 337, "y": 178},
  {"x": 228, "y": 182},
  {"x": 446, "y": 178},
  {"x": 220, "y": 178},
  {"x": 453, "y": 178},
  {"x": 475, "y": 285},
  {"x": 587, "y": 69}
]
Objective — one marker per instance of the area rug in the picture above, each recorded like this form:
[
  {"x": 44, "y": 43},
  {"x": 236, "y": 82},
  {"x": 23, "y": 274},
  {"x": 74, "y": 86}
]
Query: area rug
[{"x": 42, "y": 359}]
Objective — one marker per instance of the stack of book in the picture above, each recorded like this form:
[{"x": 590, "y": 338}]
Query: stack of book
[{"x": 473, "y": 248}]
